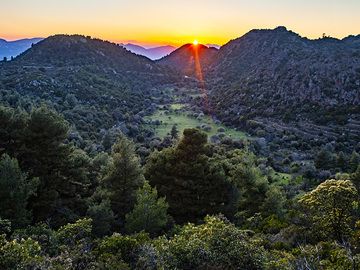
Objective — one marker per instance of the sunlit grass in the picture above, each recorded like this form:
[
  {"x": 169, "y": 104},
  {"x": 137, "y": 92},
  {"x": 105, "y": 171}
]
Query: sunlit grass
[{"x": 183, "y": 121}]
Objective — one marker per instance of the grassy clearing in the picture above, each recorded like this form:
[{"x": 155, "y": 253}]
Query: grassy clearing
[
  {"x": 183, "y": 121},
  {"x": 283, "y": 178},
  {"x": 177, "y": 106}
]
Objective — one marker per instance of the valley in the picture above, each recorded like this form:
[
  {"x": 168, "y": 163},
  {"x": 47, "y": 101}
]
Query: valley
[
  {"x": 242, "y": 157},
  {"x": 180, "y": 114}
]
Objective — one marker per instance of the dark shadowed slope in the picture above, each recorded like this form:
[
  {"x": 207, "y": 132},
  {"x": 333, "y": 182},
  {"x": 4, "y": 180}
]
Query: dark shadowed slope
[{"x": 189, "y": 57}]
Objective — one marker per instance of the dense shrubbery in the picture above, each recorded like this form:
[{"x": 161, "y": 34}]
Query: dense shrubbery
[{"x": 61, "y": 209}]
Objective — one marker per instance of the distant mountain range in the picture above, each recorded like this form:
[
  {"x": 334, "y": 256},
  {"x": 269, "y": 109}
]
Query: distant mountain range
[
  {"x": 151, "y": 53},
  {"x": 10, "y": 49}
]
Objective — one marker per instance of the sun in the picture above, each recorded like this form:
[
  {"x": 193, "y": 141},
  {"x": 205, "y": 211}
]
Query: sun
[{"x": 195, "y": 42}]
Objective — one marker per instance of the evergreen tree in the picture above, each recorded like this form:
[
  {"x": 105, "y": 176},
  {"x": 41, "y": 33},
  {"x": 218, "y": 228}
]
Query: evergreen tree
[
  {"x": 324, "y": 160},
  {"x": 102, "y": 218},
  {"x": 194, "y": 185},
  {"x": 123, "y": 178},
  {"x": 342, "y": 161},
  {"x": 149, "y": 213},
  {"x": 15, "y": 190},
  {"x": 13, "y": 126},
  {"x": 37, "y": 140},
  {"x": 174, "y": 132},
  {"x": 354, "y": 161},
  {"x": 252, "y": 187},
  {"x": 355, "y": 178},
  {"x": 46, "y": 156}
]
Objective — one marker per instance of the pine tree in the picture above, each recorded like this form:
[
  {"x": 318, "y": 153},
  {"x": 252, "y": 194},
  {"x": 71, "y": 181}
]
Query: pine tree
[
  {"x": 15, "y": 190},
  {"x": 149, "y": 213},
  {"x": 37, "y": 140},
  {"x": 194, "y": 185},
  {"x": 354, "y": 161},
  {"x": 174, "y": 132},
  {"x": 102, "y": 218},
  {"x": 124, "y": 177}
]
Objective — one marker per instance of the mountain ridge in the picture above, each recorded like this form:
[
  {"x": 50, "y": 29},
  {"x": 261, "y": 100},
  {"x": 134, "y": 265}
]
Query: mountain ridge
[
  {"x": 153, "y": 53},
  {"x": 10, "y": 49},
  {"x": 277, "y": 72}
]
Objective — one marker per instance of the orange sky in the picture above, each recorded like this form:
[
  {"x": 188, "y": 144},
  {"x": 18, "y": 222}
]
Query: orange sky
[{"x": 175, "y": 22}]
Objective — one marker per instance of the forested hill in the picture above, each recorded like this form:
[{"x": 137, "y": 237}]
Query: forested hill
[
  {"x": 95, "y": 84},
  {"x": 278, "y": 73},
  {"x": 100, "y": 56}
]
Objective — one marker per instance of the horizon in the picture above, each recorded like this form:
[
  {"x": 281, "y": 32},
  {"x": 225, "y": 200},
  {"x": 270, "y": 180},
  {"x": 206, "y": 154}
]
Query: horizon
[
  {"x": 153, "y": 24},
  {"x": 153, "y": 46}
]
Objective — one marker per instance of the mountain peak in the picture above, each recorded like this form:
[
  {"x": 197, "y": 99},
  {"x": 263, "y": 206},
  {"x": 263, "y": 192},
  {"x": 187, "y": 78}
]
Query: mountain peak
[
  {"x": 281, "y": 29},
  {"x": 184, "y": 58}
]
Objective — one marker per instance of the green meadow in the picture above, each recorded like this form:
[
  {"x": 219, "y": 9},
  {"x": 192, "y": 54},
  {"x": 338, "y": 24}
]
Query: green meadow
[{"x": 183, "y": 121}]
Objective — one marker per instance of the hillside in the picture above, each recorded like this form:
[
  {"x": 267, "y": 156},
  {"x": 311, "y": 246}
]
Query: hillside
[
  {"x": 189, "y": 57},
  {"x": 95, "y": 84},
  {"x": 277, "y": 73}
]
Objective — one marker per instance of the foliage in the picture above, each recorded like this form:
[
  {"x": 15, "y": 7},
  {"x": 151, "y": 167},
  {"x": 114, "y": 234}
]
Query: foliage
[
  {"x": 124, "y": 176},
  {"x": 102, "y": 216},
  {"x": 15, "y": 190},
  {"x": 192, "y": 184},
  {"x": 216, "y": 244},
  {"x": 331, "y": 205},
  {"x": 149, "y": 213},
  {"x": 19, "y": 254}
]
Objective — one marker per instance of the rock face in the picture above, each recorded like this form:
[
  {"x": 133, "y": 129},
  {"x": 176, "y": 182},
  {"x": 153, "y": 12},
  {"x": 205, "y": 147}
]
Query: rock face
[
  {"x": 190, "y": 58},
  {"x": 277, "y": 73}
]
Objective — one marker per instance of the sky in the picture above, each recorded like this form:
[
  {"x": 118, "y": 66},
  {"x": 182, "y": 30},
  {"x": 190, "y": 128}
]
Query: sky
[{"x": 175, "y": 22}]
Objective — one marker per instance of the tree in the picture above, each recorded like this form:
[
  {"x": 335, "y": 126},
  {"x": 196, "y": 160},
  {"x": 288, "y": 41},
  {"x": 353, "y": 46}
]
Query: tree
[
  {"x": 215, "y": 244},
  {"x": 355, "y": 178},
  {"x": 324, "y": 160},
  {"x": 22, "y": 254},
  {"x": 124, "y": 177},
  {"x": 252, "y": 188},
  {"x": 45, "y": 155},
  {"x": 149, "y": 213},
  {"x": 37, "y": 141},
  {"x": 174, "y": 132},
  {"x": 102, "y": 217},
  {"x": 342, "y": 161},
  {"x": 15, "y": 190},
  {"x": 354, "y": 161},
  {"x": 330, "y": 207},
  {"x": 274, "y": 202},
  {"x": 194, "y": 185},
  {"x": 13, "y": 126}
]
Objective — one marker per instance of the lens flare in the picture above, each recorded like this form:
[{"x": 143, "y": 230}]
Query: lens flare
[
  {"x": 195, "y": 42},
  {"x": 199, "y": 75}
]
